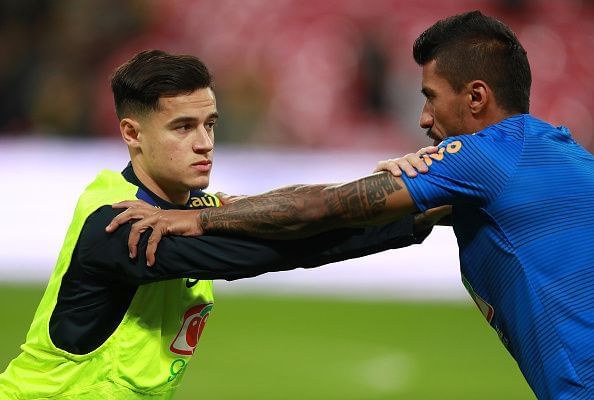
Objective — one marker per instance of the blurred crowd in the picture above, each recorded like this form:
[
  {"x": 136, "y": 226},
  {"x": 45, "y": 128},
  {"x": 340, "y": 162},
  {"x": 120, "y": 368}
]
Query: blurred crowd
[{"x": 308, "y": 73}]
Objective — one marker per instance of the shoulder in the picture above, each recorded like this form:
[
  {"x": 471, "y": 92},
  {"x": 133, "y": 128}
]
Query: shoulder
[
  {"x": 94, "y": 226},
  {"x": 109, "y": 181},
  {"x": 108, "y": 187},
  {"x": 509, "y": 130},
  {"x": 99, "y": 251},
  {"x": 93, "y": 242},
  {"x": 503, "y": 139},
  {"x": 503, "y": 136},
  {"x": 509, "y": 127}
]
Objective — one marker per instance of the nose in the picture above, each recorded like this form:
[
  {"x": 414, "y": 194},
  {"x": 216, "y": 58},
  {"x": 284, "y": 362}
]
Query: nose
[
  {"x": 426, "y": 120},
  {"x": 204, "y": 142}
]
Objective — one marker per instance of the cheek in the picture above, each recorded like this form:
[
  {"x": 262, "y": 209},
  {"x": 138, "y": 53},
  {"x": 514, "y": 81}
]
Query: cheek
[
  {"x": 164, "y": 157},
  {"x": 447, "y": 112},
  {"x": 439, "y": 114},
  {"x": 150, "y": 155}
]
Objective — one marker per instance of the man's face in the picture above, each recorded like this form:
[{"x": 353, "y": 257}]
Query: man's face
[
  {"x": 176, "y": 143},
  {"x": 445, "y": 112}
]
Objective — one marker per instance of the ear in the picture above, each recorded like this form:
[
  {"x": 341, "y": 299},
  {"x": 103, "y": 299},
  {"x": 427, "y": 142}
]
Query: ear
[
  {"x": 479, "y": 96},
  {"x": 130, "y": 131}
]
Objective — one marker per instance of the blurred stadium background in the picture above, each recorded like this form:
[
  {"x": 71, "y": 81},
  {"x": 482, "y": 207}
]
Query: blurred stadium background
[{"x": 308, "y": 91}]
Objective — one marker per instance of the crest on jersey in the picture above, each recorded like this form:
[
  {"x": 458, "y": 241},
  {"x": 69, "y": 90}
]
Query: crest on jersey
[
  {"x": 486, "y": 309},
  {"x": 187, "y": 338}
]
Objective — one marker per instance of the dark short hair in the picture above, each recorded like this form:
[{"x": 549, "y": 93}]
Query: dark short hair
[
  {"x": 138, "y": 84},
  {"x": 473, "y": 46}
]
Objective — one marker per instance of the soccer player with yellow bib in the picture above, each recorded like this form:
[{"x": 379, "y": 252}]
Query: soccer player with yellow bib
[{"x": 108, "y": 326}]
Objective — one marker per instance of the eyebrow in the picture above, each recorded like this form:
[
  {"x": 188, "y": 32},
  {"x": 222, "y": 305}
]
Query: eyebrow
[
  {"x": 182, "y": 119},
  {"x": 427, "y": 92}
]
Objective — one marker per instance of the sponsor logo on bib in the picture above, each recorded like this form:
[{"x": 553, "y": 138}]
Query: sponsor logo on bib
[
  {"x": 187, "y": 338},
  {"x": 190, "y": 282}
]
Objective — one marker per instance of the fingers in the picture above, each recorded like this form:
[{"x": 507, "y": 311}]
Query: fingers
[
  {"x": 409, "y": 164},
  {"x": 136, "y": 209},
  {"x": 415, "y": 163},
  {"x": 147, "y": 216},
  {"x": 136, "y": 230},
  {"x": 119, "y": 220},
  {"x": 177, "y": 222},
  {"x": 390, "y": 166},
  {"x": 129, "y": 214},
  {"x": 151, "y": 247},
  {"x": 228, "y": 199},
  {"x": 428, "y": 150},
  {"x": 224, "y": 198}
]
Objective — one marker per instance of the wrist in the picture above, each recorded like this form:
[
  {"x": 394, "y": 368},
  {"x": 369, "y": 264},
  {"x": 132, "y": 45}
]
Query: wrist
[{"x": 201, "y": 222}]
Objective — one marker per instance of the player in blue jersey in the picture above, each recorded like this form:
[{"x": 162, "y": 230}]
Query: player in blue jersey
[{"x": 522, "y": 193}]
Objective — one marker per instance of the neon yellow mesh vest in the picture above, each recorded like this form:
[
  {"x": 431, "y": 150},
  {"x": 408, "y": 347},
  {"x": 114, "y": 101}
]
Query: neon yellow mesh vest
[{"x": 146, "y": 356}]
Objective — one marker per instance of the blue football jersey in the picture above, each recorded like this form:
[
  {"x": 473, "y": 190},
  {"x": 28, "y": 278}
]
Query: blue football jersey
[{"x": 523, "y": 215}]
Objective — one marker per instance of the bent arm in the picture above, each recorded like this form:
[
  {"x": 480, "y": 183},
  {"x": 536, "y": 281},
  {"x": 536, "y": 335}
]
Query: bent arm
[
  {"x": 228, "y": 257},
  {"x": 306, "y": 210}
]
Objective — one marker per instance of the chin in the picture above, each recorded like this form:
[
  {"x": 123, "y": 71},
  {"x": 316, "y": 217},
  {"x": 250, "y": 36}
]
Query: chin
[{"x": 200, "y": 183}]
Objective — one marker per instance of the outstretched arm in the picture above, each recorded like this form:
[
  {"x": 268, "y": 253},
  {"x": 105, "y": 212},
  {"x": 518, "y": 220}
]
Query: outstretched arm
[
  {"x": 309, "y": 209},
  {"x": 304, "y": 210},
  {"x": 297, "y": 212},
  {"x": 226, "y": 256},
  {"x": 184, "y": 223},
  {"x": 286, "y": 213}
]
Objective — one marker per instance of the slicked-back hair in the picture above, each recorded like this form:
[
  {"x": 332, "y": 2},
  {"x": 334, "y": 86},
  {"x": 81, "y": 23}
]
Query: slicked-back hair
[
  {"x": 472, "y": 46},
  {"x": 138, "y": 84}
]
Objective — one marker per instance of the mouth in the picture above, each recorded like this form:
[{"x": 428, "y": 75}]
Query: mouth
[
  {"x": 436, "y": 139},
  {"x": 202, "y": 166}
]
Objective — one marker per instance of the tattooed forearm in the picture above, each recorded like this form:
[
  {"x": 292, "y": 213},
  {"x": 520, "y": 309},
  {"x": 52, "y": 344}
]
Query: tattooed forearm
[
  {"x": 285, "y": 212},
  {"x": 305, "y": 210},
  {"x": 378, "y": 189},
  {"x": 362, "y": 200}
]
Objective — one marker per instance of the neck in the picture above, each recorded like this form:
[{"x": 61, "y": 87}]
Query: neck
[
  {"x": 175, "y": 197},
  {"x": 495, "y": 116}
]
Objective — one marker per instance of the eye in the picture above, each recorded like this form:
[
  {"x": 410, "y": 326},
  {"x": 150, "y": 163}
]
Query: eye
[
  {"x": 210, "y": 125},
  {"x": 429, "y": 96},
  {"x": 184, "y": 128}
]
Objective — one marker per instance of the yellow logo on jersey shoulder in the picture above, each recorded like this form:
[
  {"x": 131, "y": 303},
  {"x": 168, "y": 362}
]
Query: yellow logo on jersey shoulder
[
  {"x": 451, "y": 148},
  {"x": 206, "y": 200}
]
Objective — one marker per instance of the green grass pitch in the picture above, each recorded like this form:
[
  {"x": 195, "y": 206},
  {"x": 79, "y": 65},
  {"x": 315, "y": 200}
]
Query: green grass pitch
[{"x": 270, "y": 347}]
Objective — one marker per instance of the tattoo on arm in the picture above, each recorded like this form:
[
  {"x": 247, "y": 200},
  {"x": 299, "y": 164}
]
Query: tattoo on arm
[
  {"x": 379, "y": 189},
  {"x": 303, "y": 210}
]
